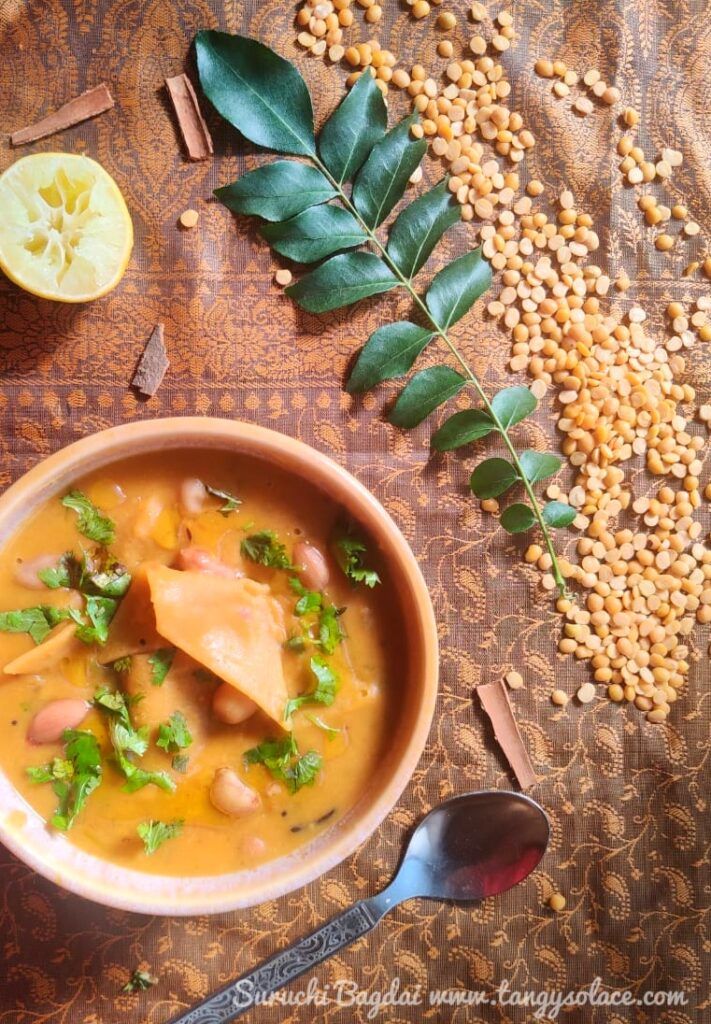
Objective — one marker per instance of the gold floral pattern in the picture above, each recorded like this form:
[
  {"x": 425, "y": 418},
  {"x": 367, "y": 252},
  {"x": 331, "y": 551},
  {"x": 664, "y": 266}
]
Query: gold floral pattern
[{"x": 627, "y": 800}]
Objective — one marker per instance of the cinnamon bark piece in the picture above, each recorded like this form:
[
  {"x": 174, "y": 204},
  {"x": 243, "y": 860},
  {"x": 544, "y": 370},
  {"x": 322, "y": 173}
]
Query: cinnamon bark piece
[
  {"x": 495, "y": 701},
  {"x": 152, "y": 364},
  {"x": 91, "y": 103},
  {"x": 190, "y": 121}
]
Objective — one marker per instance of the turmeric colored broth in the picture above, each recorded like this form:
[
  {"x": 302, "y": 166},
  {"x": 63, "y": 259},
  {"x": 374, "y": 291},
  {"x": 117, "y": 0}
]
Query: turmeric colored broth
[{"x": 141, "y": 496}]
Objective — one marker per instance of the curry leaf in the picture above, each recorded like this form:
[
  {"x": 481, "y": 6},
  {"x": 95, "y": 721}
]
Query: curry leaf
[
  {"x": 457, "y": 287},
  {"x": 353, "y": 128},
  {"x": 420, "y": 226},
  {"x": 518, "y": 518},
  {"x": 557, "y": 514},
  {"x": 389, "y": 352},
  {"x": 277, "y": 191},
  {"x": 341, "y": 281},
  {"x": 539, "y": 465},
  {"x": 492, "y": 478},
  {"x": 383, "y": 178},
  {"x": 427, "y": 390},
  {"x": 462, "y": 428},
  {"x": 257, "y": 91},
  {"x": 513, "y": 405},
  {"x": 315, "y": 233}
]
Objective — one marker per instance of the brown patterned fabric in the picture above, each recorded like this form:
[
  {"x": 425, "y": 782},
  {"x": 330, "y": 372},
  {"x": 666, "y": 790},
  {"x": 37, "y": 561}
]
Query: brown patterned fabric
[{"x": 627, "y": 800}]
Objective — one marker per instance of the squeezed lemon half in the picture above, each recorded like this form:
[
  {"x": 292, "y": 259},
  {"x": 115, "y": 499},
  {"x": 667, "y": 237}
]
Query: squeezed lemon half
[{"x": 65, "y": 231}]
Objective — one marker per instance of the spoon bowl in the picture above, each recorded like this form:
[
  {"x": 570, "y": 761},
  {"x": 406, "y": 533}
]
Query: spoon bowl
[
  {"x": 468, "y": 848},
  {"x": 473, "y": 846}
]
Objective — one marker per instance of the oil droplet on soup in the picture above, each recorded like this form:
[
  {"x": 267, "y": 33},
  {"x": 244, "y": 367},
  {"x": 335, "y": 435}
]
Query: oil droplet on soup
[{"x": 233, "y": 714}]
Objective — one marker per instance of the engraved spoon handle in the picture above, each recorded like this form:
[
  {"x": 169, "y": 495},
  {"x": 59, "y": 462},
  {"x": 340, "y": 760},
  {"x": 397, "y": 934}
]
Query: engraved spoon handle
[{"x": 232, "y": 1000}]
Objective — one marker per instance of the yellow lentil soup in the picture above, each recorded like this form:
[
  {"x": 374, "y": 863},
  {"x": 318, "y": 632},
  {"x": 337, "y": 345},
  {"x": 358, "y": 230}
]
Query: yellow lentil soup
[{"x": 198, "y": 660}]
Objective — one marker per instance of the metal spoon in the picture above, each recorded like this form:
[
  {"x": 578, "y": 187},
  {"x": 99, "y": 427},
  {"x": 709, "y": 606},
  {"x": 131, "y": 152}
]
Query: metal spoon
[{"x": 467, "y": 848}]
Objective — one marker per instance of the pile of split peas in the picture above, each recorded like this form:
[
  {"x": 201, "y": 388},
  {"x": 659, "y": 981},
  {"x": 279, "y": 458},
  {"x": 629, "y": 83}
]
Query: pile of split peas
[{"x": 642, "y": 585}]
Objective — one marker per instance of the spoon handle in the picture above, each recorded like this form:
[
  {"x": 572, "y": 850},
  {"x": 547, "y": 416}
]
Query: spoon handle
[{"x": 237, "y": 997}]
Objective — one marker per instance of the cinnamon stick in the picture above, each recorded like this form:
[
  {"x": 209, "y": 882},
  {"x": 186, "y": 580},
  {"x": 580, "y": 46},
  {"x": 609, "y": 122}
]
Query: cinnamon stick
[
  {"x": 190, "y": 121},
  {"x": 91, "y": 103},
  {"x": 495, "y": 701},
  {"x": 152, "y": 364}
]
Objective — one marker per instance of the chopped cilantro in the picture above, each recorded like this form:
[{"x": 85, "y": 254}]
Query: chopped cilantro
[
  {"x": 90, "y": 522},
  {"x": 350, "y": 553},
  {"x": 99, "y": 611},
  {"x": 127, "y": 740},
  {"x": 66, "y": 573},
  {"x": 330, "y": 730},
  {"x": 231, "y": 503},
  {"x": 265, "y": 549},
  {"x": 73, "y": 777},
  {"x": 139, "y": 982},
  {"x": 180, "y": 763},
  {"x": 282, "y": 760},
  {"x": 160, "y": 662},
  {"x": 324, "y": 692},
  {"x": 37, "y": 622},
  {"x": 330, "y": 632},
  {"x": 122, "y": 664},
  {"x": 155, "y": 833},
  {"x": 174, "y": 734}
]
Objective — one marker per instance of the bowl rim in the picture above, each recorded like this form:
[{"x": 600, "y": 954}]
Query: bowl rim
[{"x": 95, "y": 879}]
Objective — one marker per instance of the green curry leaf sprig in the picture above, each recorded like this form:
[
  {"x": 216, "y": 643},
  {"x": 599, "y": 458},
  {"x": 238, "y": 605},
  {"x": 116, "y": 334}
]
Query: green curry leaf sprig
[{"x": 311, "y": 217}]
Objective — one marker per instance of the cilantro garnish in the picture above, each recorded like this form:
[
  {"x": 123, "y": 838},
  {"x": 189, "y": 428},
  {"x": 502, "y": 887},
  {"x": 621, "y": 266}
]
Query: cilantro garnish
[
  {"x": 295, "y": 643},
  {"x": 330, "y": 633},
  {"x": 350, "y": 551},
  {"x": 282, "y": 760},
  {"x": 265, "y": 549},
  {"x": 139, "y": 982},
  {"x": 37, "y": 622},
  {"x": 73, "y": 777},
  {"x": 155, "y": 833},
  {"x": 122, "y": 664},
  {"x": 174, "y": 734},
  {"x": 66, "y": 573},
  {"x": 231, "y": 502},
  {"x": 324, "y": 692},
  {"x": 91, "y": 522},
  {"x": 99, "y": 611},
  {"x": 160, "y": 662},
  {"x": 127, "y": 740},
  {"x": 180, "y": 763}
]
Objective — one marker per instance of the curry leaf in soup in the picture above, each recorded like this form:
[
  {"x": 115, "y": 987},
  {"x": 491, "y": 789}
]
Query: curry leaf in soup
[
  {"x": 264, "y": 548},
  {"x": 37, "y": 622},
  {"x": 91, "y": 521},
  {"x": 155, "y": 833},
  {"x": 174, "y": 734},
  {"x": 349, "y": 554},
  {"x": 230, "y": 503},
  {"x": 160, "y": 662}
]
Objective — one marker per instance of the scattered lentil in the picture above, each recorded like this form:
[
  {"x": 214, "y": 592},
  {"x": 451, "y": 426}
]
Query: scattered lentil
[{"x": 189, "y": 218}]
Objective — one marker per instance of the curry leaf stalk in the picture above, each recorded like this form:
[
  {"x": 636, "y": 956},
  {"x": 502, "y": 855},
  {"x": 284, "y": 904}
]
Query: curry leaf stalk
[{"x": 468, "y": 372}]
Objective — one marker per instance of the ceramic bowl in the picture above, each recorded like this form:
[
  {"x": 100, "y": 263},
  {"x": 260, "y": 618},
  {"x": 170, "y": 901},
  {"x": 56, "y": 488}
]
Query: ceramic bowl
[{"x": 24, "y": 832}]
